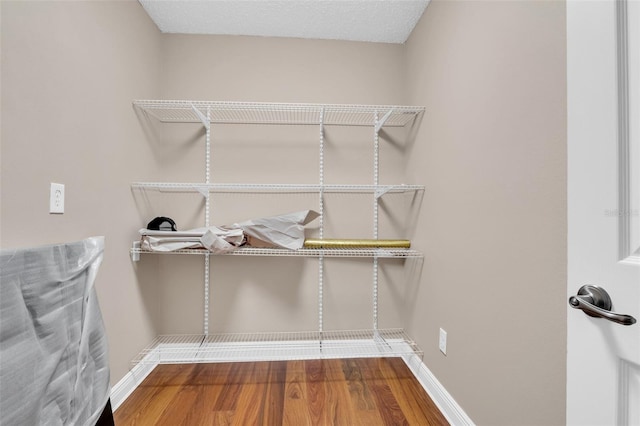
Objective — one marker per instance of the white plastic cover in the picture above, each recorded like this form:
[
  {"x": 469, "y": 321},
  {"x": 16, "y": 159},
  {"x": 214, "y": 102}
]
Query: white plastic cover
[{"x": 53, "y": 349}]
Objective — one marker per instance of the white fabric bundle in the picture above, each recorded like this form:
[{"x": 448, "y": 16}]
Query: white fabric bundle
[{"x": 284, "y": 231}]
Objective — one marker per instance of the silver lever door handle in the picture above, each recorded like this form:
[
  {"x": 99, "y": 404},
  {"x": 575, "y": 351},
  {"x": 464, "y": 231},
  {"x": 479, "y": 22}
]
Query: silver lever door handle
[{"x": 595, "y": 302}]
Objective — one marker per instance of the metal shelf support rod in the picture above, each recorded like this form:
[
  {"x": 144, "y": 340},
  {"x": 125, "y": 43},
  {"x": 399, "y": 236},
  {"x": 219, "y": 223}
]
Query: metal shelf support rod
[
  {"x": 207, "y": 214},
  {"x": 321, "y": 231},
  {"x": 376, "y": 178}
]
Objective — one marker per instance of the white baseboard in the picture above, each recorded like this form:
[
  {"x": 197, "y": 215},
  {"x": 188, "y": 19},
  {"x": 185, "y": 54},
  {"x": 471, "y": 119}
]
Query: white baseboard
[
  {"x": 121, "y": 390},
  {"x": 445, "y": 402}
]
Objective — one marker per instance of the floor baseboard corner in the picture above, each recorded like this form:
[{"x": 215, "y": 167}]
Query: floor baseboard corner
[
  {"x": 443, "y": 399},
  {"x": 121, "y": 390}
]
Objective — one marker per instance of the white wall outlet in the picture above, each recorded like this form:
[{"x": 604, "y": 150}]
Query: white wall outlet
[
  {"x": 56, "y": 198},
  {"x": 442, "y": 341}
]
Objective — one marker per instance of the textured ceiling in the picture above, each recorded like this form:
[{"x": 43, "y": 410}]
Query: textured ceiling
[{"x": 383, "y": 21}]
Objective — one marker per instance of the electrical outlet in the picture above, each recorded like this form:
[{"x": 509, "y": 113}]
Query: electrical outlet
[
  {"x": 56, "y": 198},
  {"x": 442, "y": 341}
]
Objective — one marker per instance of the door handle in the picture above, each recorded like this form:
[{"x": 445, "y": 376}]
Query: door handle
[{"x": 595, "y": 302}]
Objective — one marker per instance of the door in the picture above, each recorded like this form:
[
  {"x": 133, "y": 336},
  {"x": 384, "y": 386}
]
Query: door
[{"x": 603, "y": 81}]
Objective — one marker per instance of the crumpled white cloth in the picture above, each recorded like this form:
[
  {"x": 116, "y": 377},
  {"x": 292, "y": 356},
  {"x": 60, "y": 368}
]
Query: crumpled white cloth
[
  {"x": 284, "y": 231},
  {"x": 216, "y": 239},
  {"x": 54, "y": 367}
]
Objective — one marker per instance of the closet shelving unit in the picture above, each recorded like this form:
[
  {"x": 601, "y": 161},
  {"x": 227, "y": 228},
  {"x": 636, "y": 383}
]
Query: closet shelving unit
[{"x": 283, "y": 345}]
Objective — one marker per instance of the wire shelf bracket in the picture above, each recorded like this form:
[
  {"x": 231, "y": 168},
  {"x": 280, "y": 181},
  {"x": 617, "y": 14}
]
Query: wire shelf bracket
[
  {"x": 204, "y": 119},
  {"x": 383, "y": 120}
]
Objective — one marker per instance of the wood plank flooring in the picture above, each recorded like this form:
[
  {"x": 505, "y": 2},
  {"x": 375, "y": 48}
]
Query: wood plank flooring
[{"x": 362, "y": 391}]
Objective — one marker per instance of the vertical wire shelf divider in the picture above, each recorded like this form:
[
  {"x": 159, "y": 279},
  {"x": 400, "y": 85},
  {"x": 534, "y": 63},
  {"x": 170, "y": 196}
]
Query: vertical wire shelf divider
[
  {"x": 227, "y": 347},
  {"x": 321, "y": 232},
  {"x": 207, "y": 215},
  {"x": 376, "y": 176}
]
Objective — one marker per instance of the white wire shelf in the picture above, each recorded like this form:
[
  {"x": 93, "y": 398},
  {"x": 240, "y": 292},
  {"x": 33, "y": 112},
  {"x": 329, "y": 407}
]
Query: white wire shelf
[
  {"x": 363, "y": 252},
  {"x": 182, "y": 111},
  {"x": 272, "y": 188},
  {"x": 238, "y": 347}
]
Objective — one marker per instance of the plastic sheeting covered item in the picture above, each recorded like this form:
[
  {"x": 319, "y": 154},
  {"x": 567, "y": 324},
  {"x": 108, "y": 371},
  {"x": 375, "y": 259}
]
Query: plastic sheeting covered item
[
  {"x": 284, "y": 231},
  {"x": 53, "y": 349}
]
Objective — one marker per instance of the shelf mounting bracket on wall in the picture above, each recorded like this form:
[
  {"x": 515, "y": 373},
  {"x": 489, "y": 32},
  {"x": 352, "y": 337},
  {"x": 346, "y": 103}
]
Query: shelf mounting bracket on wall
[
  {"x": 203, "y": 190},
  {"x": 384, "y": 118},
  {"x": 135, "y": 254},
  {"x": 380, "y": 191},
  {"x": 205, "y": 120}
]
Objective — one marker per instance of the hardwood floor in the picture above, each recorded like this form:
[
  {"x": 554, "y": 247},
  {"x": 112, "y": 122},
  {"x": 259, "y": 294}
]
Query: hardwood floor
[{"x": 363, "y": 391}]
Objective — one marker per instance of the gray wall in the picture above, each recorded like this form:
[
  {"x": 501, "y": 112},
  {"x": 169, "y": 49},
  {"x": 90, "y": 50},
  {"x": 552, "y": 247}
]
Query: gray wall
[
  {"x": 69, "y": 73},
  {"x": 258, "y": 294},
  {"x": 491, "y": 152}
]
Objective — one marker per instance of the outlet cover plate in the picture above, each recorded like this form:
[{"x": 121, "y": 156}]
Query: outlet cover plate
[
  {"x": 56, "y": 198},
  {"x": 442, "y": 342}
]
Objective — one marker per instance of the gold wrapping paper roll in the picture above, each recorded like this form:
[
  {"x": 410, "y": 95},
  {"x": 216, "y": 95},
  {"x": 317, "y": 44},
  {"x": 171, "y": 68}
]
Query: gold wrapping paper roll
[{"x": 355, "y": 244}]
